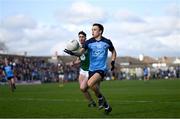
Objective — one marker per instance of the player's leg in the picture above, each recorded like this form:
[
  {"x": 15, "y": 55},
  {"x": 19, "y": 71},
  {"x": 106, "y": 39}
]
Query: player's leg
[
  {"x": 61, "y": 80},
  {"x": 94, "y": 84},
  {"x": 10, "y": 84},
  {"x": 84, "y": 88},
  {"x": 96, "y": 89},
  {"x": 101, "y": 99},
  {"x": 146, "y": 77},
  {"x": 13, "y": 82}
]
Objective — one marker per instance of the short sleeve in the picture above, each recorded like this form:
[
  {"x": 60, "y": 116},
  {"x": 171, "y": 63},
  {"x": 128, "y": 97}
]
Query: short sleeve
[{"x": 111, "y": 47}]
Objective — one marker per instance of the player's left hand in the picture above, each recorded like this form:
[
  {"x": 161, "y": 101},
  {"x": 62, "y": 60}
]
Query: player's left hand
[
  {"x": 68, "y": 52},
  {"x": 112, "y": 65}
]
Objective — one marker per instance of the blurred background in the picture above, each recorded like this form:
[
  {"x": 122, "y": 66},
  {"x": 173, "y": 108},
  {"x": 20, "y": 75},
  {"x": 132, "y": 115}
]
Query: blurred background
[{"x": 145, "y": 33}]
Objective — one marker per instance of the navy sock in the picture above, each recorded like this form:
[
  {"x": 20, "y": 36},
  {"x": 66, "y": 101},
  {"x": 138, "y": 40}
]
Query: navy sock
[
  {"x": 106, "y": 104},
  {"x": 100, "y": 97}
]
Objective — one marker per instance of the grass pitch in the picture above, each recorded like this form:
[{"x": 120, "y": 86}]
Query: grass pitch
[{"x": 128, "y": 98}]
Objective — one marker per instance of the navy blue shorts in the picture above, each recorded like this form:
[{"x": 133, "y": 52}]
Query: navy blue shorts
[
  {"x": 9, "y": 78},
  {"x": 101, "y": 72},
  {"x": 145, "y": 75}
]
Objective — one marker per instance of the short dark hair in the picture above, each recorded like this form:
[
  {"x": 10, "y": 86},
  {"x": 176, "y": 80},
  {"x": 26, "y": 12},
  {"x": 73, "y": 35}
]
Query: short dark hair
[
  {"x": 82, "y": 32},
  {"x": 100, "y": 26}
]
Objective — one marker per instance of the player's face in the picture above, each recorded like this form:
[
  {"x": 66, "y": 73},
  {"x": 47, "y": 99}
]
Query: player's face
[
  {"x": 82, "y": 38},
  {"x": 96, "y": 32}
]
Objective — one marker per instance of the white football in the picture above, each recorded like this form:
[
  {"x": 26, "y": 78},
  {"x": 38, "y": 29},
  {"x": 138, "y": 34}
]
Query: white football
[{"x": 72, "y": 45}]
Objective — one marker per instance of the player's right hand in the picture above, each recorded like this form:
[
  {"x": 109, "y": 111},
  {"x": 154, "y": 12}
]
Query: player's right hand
[{"x": 68, "y": 52}]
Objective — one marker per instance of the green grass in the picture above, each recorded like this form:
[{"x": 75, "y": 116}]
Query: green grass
[{"x": 155, "y": 98}]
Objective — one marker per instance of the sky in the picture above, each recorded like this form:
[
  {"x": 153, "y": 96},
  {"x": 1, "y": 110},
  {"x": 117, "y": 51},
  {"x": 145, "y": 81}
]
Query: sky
[{"x": 43, "y": 27}]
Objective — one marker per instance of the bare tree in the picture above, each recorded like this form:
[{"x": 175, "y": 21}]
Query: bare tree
[{"x": 2, "y": 46}]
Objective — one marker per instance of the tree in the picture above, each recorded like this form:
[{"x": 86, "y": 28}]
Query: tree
[{"x": 2, "y": 46}]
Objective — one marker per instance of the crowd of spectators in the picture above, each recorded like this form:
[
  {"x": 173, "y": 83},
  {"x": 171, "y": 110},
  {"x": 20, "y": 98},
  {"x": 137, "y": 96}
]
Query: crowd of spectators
[
  {"x": 41, "y": 69},
  {"x": 171, "y": 72},
  {"x": 38, "y": 68}
]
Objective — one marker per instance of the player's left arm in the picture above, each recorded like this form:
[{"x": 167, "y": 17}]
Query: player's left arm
[
  {"x": 75, "y": 62},
  {"x": 113, "y": 59},
  {"x": 113, "y": 56}
]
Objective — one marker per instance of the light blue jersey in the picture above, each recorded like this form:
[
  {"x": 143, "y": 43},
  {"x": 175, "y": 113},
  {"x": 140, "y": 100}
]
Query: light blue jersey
[
  {"x": 98, "y": 51},
  {"x": 145, "y": 71},
  {"x": 8, "y": 71}
]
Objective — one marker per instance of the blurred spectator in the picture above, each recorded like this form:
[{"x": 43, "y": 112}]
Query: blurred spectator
[{"x": 37, "y": 68}]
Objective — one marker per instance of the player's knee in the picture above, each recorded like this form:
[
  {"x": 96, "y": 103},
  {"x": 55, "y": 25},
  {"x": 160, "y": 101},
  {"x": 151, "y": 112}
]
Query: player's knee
[
  {"x": 83, "y": 89},
  {"x": 89, "y": 84}
]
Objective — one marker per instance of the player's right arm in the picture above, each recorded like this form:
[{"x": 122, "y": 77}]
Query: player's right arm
[
  {"x": 75, "y": 53},
  {"x": 79, "y": 52},
  {"x": 3, "y": 71}
]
